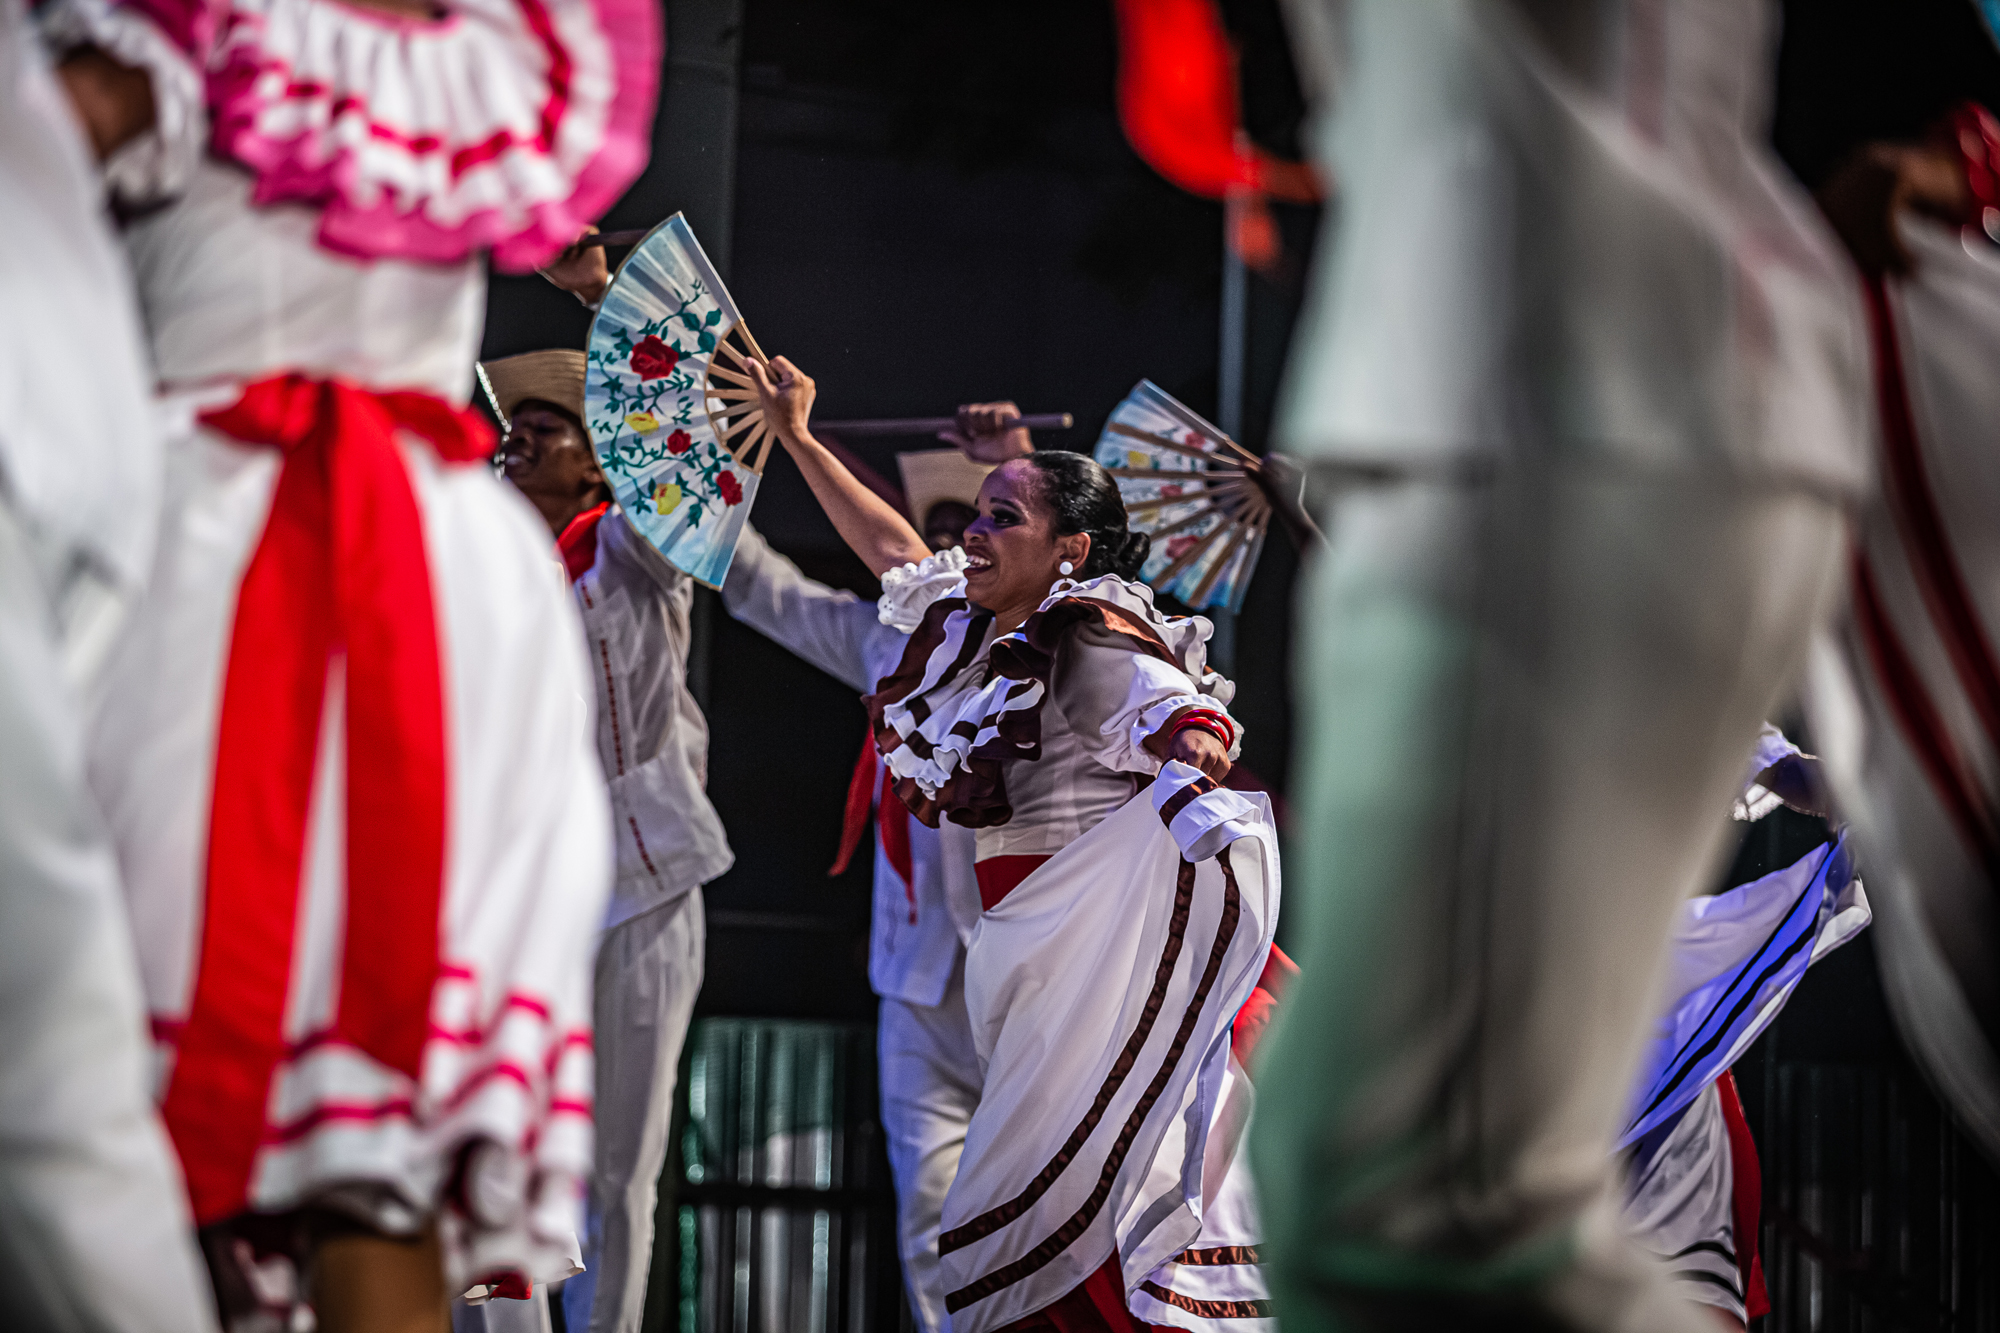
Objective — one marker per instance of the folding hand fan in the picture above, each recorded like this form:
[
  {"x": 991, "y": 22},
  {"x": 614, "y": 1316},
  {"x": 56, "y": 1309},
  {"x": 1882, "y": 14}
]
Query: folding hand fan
[
  {"x": 670, "y": 404},
  {"x": 1194, "y": 490}
]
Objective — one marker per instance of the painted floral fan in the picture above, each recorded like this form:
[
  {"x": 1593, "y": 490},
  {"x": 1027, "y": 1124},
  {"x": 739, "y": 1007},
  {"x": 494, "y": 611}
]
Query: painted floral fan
[
  {"x": 1194, "y": 490},
  {"x": 670, "y": 404}
]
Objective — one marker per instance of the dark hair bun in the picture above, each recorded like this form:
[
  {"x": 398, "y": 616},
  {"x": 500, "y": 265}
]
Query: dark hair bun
[
  {"x": 1130, "y": 554},
  {"x": 1083, "y": 498}
]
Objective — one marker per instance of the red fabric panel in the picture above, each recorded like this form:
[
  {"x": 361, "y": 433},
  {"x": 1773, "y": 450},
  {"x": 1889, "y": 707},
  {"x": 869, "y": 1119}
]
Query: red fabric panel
[
  {"x": 892, "y": 822},
  {"x": 1097, "y": 1305},
  {"x": 578, "y": 542},
  {"x": 1279, "y": 969},
  {"x": 1247, "y": 1028},
  {"x": 860, "y": 791},
  {"x": 1177, "y": 95},
  {"x": 340, "y": 569},
  {"x": 1748, "y": 1189},
  {"x": 892, "y": 825},
  {"x": 998, "y": 875}
]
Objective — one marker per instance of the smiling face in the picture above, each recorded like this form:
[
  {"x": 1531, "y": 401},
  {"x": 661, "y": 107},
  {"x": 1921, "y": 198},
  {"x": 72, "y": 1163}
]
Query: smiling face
[
  {"x": 548, "y": 458},
  {"x": 1012, "y": 550}
]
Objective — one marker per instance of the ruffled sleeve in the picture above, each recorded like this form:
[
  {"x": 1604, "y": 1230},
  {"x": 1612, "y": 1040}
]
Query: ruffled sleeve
[
  {"x": 1115, "y": 700},
  {"x": 167, "y": 43},
  {"x": 910, "y": 591},
  {"x": 505, "y": 125}
]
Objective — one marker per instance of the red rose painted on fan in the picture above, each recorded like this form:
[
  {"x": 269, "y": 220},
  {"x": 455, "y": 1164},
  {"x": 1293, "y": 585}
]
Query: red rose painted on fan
[
  {"x": 678, "y": 442},
  {"x": 731, "y": 489},
  {"x": 653, "y": 359},
  {"x": 1172, "y": 488},
  {"x": 1179, "y": 546}
]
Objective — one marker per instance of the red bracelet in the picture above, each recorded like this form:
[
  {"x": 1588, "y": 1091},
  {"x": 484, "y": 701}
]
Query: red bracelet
[{"x": 1202, "y": 720}]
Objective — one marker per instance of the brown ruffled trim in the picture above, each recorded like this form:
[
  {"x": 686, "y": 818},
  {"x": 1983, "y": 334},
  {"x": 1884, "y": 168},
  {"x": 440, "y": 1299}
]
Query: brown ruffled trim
[{"x": 976, "y": 795}]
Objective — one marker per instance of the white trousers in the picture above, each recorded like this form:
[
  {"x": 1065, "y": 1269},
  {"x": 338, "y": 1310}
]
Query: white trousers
[
  {"x": 1525, "y": 707},
  {"x": 1680, "y": 1204},
  {"x": 649, "y": 971},
  {"x": 930, "y": 1087},
  {"x": 94, "y": 1227}
]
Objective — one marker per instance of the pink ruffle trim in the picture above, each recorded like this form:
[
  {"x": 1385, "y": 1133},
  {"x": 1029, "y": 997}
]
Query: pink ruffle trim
[{"x": 256, "y": 94}]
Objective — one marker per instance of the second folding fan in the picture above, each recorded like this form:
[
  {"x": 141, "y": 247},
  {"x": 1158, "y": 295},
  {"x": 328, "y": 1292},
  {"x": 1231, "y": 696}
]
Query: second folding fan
[
  {"x": 1194, "y": 490},
  {"x": 670, "y": 405}
]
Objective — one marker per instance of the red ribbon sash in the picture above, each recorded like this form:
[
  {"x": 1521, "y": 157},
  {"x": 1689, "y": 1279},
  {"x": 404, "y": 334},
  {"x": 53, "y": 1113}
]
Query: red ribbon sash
[
  {"x": 339, "y": 574},
  {"x": 892, "y": 821}
]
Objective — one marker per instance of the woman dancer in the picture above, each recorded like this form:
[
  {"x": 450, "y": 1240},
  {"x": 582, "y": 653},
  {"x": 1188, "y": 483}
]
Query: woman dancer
[
  {"x": 1041, "y": 691},
  {"x": 343, "y": 751}
]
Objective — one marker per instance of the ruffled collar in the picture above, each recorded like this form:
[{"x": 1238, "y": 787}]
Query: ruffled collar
[
  {"x": 507, "y": 125},
  {"x": 959, "y": 705}
]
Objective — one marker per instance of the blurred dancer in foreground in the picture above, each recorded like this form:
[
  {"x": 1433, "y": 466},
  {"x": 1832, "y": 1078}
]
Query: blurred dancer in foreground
[
  {"x": 1099, "y": 1186},
  {"x": 652, "y": 742},
  {"x": 94, "y": 1226},
  {"x": 1596, "y": 372},
  {"x": 343, "y": 747}
]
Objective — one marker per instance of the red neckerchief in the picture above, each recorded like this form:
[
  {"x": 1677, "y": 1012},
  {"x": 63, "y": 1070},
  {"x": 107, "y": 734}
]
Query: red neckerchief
[
  {"x": 578, "y": 542},
  {"x": 892, "y": 821},
  {"x": 340, "y": 572}
]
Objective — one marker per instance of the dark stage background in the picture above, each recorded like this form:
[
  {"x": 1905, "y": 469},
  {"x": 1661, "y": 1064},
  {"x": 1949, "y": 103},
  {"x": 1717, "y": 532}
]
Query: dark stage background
[{"x": 925, "y": 204}]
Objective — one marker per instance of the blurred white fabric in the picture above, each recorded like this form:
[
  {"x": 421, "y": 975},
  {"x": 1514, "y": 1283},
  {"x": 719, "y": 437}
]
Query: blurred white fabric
[
  {"x": 94, "y": 1227},
  {"x": 1587, "y": 379},
  {"x": 1902, "y": 695}
]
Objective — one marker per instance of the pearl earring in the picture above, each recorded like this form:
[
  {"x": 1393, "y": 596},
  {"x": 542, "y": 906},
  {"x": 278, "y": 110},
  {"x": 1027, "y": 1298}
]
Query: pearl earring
[{"x": 1066, "y": 567}]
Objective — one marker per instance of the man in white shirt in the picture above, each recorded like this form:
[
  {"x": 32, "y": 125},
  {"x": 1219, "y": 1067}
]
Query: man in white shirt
[{"x": 653, "y": 742}]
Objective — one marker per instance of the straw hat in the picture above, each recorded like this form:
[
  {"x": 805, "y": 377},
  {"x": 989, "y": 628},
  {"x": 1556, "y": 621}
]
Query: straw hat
[
  {"x": 554, "y": 376},
  {"x": 934, "y": 475}
]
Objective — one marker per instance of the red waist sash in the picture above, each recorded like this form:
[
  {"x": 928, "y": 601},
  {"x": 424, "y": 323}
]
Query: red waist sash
[{"x": 339, "y": 573}]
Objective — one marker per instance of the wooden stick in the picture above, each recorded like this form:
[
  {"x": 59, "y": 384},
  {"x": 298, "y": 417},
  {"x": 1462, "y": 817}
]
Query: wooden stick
[
  {"x": 1192, "y": 554},
  {"x": 733, "y": 376},
  {"x": 932, "y": 425},
  {"x": 743, "y": 326},
  {"x": 1187, "y": 522},
  {"x": 1227, "y": 469},
  {"x": 1244, "y": 529},
  {"x": 1187, "y": 497},
  {"x": 741, "y": 424},
  {"x": 1159, "y": 441},
  {"x": 758, "y": 451}
]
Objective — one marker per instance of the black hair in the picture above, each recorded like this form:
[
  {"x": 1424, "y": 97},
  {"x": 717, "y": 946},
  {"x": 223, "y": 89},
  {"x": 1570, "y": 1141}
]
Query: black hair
[{"x": 1082, "y": 498}]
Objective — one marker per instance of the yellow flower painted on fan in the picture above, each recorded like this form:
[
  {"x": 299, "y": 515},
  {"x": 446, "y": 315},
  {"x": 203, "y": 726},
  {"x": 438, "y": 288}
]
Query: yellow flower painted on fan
[
  {"x": 666, "y": 498},
  {"x": 1133, "y": 458},
  {"x": 642, "y": 423}
]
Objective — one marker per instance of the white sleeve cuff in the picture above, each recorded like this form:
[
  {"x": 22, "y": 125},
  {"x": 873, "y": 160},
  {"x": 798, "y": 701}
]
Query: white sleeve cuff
[{"x": 910, "y": 591}]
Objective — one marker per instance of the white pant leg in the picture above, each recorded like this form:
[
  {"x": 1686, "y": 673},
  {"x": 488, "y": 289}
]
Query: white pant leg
[
  {"x": 1680, "y": 1204},
  {"x": 649, "y": 971},
  {"x": 1524, "y": 711},
  {"x": 94, "y": 1227},
  {"x": 930, "y": 1087}
]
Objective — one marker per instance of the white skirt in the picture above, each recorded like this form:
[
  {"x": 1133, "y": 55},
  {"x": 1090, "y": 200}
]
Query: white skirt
[
  {"x": 1101, "y": 992},
  {"x": 507, "y": 1062}
]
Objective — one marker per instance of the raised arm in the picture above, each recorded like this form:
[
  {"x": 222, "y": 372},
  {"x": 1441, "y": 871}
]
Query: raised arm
[{"x": 869, "y": 525}]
